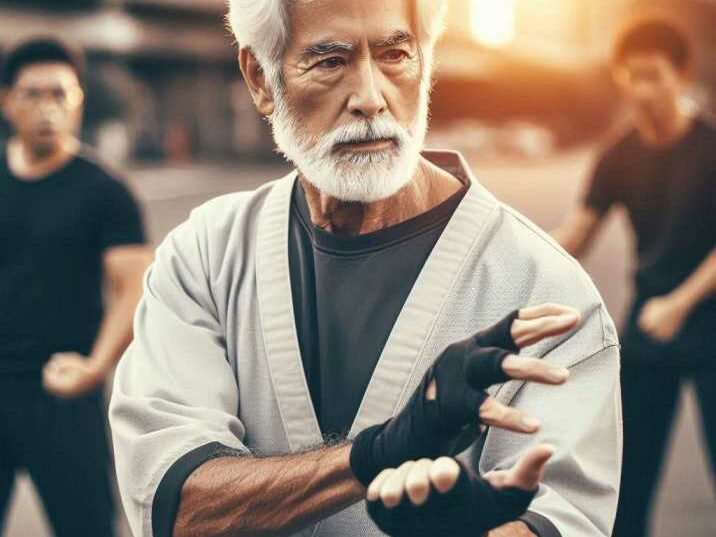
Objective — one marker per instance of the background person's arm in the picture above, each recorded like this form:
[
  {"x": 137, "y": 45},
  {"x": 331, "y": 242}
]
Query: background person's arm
[
  {"x": 119, "y": 235},
  {"x": 663, "y": 317},
  {"x": 701, "y": 285},
  {"x": 124, "y": 268},
  {"x": 580, "y": 228},
  {"x": 70, "y": 375},
  {"x": 578, "y": 231}
]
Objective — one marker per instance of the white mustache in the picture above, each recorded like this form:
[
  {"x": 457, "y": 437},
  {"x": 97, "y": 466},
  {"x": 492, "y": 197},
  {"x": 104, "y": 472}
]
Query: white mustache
[{"x": 368, "y": 131}]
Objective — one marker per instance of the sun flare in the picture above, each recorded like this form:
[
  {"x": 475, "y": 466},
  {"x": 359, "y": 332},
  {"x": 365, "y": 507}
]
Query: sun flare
[{"x": 493, "y": 22}]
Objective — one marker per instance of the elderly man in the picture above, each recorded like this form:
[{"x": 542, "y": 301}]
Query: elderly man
[{"x": 295, "y": 350}]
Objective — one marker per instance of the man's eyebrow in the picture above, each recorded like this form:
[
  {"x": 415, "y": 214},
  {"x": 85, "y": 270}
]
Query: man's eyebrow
[
  {"x": 327, "y": 47},
  {"x": 396, "y": 38}
]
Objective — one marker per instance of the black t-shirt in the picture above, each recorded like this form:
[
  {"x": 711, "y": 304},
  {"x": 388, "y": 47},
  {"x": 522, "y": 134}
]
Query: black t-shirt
[
  {"x": 347, "y": 294},
  {"x": 53, "y": 232},
  {"x": 670, "y": 196}
]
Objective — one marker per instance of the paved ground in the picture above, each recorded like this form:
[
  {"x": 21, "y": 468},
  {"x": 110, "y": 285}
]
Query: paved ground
[{"x": 542, "y": 191}]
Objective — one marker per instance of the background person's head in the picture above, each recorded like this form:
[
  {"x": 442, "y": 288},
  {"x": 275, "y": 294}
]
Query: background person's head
[
  {"x": 345, "y": 85},
  {"x": 42, "y": 93},
  {"x": 652, "y": 64}
]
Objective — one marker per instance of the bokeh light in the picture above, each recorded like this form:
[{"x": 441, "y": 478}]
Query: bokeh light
[{"x": 493, "y": 22}]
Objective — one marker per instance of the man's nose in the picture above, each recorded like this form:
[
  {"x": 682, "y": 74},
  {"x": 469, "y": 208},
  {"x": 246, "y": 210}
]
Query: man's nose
[
  {"x": 49, "y": 108},
  {"x": 366, "y": 99}
]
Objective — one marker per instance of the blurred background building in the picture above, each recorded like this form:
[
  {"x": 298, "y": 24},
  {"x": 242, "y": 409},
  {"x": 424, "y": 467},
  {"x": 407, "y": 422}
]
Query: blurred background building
[
  {"x": 163, "y": 81},
  {"x": 164, "y": 84},
  {"x": 523, "y": 89}
]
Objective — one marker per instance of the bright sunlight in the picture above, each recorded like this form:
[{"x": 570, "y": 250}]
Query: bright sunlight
[{"x": 493, "y": 21}]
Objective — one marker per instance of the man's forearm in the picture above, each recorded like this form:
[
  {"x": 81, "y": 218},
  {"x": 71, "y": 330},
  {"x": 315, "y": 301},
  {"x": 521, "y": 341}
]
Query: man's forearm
[
  {"x": 234, "y": 497},
  {"x": 700, "y": 285},
  {"x": 115, "y": 331},
  {"x": 578, "y": 232}
]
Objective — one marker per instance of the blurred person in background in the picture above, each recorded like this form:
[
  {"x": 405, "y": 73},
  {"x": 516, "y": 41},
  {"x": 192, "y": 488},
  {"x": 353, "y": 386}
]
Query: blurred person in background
[
  {"x": 663, "y": 172},
  {"x": 66, "y": 226}
]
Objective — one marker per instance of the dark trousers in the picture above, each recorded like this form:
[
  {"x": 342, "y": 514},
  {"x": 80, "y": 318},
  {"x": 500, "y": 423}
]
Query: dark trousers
[
  {"x": 650, "y": 397},
  {"x": 64, "y": 448}
]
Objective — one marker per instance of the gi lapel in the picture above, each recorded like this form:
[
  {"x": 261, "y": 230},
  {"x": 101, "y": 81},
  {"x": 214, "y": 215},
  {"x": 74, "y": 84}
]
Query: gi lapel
[
  {"x": 277, "y": 320},
  {"x": 402, "y": 363}
]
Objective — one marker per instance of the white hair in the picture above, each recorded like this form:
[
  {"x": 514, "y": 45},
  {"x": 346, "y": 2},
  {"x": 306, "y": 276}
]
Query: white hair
[{"x": 262, "y": 26}]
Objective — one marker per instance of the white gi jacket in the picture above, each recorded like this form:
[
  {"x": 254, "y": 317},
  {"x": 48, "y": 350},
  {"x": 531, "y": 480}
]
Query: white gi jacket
[{"x": 216, "y": 358}]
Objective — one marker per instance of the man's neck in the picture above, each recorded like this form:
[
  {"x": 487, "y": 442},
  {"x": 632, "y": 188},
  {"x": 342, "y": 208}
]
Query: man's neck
[
  {"x": 30, "y": 165},
  {"x": 669, "y": 128},
  {"x": 429, "y": 187}
]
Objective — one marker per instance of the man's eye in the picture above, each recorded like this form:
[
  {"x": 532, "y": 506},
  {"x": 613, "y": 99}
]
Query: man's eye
[
  {"x": 331, "y": 63},
  {"x": 395, "y": 55}
]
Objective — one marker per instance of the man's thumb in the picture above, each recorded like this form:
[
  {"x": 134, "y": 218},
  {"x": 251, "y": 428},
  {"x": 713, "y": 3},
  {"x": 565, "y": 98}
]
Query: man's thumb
[{"x": 528, "y": 471}]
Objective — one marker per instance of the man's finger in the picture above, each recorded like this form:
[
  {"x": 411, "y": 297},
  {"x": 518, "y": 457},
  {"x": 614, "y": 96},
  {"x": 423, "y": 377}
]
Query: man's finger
[
  {"x": 530, "y": 331},
  {"x": 377, "y": 484},
  {"x": 444, "y": 473},
  {"x": 391, "y": 493},
  {"x": 544, "y": 310},
  {"x": 528, "y": 471},
  {"x": 534, "y": 369},
  {"x": 495, "y": 414},
  {"x": 417, "y": 484}
]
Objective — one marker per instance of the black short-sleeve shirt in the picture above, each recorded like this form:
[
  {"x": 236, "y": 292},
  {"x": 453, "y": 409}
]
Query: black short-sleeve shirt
[
  {"x": 670, "y": 196},
  {"x": 53, "y": 233}
]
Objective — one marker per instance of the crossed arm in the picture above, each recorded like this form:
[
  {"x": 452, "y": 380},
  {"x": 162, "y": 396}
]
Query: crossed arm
[
  {"x": 279, "y": 496},
  {"x": 282, "y": 495},
  {"x": 274, "y": 496}
]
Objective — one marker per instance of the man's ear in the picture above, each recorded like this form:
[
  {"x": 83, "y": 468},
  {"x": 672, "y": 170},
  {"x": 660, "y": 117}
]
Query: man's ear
[
  {"x": 256, "y": 82},
  {"x": 5, "y": 104}
]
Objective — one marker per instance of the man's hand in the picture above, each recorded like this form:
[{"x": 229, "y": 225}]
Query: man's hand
[
  {"x": 662, "y": 318},
  {"x": 71, "y": 375},
  {"x": 452, "y": 398},
  {"x": 444, "y": 498}
]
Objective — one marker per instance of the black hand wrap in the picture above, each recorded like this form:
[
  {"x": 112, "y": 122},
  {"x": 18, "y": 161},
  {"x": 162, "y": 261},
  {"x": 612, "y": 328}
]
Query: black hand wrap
[
  {"x": 472, "y": 508},
  {"x": 428, "y": 429}
]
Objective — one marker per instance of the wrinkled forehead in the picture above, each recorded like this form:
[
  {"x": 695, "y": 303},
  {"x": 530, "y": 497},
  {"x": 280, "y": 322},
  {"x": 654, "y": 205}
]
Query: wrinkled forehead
[{"x": 351, "y": 22}]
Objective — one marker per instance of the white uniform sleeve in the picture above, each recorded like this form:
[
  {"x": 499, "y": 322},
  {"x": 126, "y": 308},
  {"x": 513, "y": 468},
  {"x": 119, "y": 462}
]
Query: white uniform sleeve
[
  {"x": 175, "y": 398},
  {"x": 582, "y": 420}
]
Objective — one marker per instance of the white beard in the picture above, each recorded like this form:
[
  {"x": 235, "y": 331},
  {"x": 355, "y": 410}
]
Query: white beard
[{"x": 353, "y": 177}]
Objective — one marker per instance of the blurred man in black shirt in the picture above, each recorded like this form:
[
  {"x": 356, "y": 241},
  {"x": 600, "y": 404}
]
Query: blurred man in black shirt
[
  {"x": 663, "y": 172},
  {"x": 66, "y": 227}
]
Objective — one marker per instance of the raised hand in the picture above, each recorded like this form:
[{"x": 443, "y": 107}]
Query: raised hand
[
  {"x": 452, "y": 394},
  {"x": 444, "y": 498}
]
